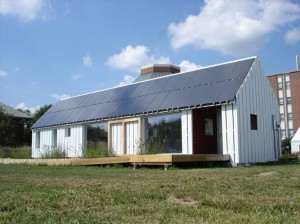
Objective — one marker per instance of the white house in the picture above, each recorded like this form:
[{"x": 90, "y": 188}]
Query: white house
[
  {"x": 295, "y": 142},
  {"x": 227, "y": 108}
]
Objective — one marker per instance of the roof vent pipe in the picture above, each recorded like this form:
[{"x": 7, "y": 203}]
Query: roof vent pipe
[{"x": 298, "y": 62}]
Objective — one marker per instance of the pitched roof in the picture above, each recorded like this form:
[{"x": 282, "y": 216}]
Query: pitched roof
[
  {"x": 9, "y": 110},
  {"x": 207, "y": 86}
]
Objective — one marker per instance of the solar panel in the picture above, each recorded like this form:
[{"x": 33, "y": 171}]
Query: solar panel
[{"x": 204, "y": 86}]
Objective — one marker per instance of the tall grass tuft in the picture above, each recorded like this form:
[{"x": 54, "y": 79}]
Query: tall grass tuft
[
  {"x": 97, "y": 150},
  {"x": 54, "y": 153}
]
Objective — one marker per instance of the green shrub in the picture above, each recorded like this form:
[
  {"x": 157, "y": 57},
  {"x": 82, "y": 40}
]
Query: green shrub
[
  {"x": 16, "y": 153},
  {"x": 97, "y": 150},
  {"x": 286, "y": 146}
]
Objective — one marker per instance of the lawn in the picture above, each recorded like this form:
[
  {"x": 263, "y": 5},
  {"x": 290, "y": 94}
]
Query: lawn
[{"x": 74, "y": 194}]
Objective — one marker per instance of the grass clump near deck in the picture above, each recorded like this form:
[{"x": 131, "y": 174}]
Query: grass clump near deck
[
  {"x": 72, "y": 194},
  {"x": 98, "y": 150}
]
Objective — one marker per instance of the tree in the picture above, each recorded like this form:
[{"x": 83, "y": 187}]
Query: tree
[
  {"x": 40, "y": 112},
  {"x": 7, "y": 126},
  {"x": 286, "y": 146}
]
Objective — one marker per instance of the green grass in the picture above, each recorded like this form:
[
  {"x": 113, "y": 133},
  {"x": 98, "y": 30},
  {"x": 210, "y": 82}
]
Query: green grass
[
  {"x": 73, "y": 194},
  {"x": 23, "y": 152}
]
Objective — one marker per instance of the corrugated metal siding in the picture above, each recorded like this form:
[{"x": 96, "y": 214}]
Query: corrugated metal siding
[
  {"x": 73, "y": 145},
  {"x": 187, "y": 132},
  {"x": 230, "y": 132},
  {"x": 256, "y": 97},
  {"x": 117, "y": 138},
  {"x": 132, "y": 137}
]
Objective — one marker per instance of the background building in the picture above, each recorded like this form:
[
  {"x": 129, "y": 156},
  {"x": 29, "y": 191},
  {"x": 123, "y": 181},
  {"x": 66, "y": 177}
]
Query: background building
[{"x": 286, "y": 87}]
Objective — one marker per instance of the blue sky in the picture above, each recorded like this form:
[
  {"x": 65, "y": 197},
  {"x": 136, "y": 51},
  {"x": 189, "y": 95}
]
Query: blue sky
[{"x": 52, "y": 49}]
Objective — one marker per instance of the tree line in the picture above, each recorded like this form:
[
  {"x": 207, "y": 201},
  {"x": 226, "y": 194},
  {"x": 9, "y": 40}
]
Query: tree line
[{"x": 9, "y": 125}]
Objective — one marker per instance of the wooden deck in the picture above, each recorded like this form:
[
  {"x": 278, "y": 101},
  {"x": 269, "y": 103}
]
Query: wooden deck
[{"x": 135, "y": 160}]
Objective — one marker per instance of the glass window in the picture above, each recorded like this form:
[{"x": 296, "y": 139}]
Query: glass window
[
  {"x": 37, "y": 139},
  {"x": 280, "y": 101},
  {"x": 253, "y": 121},
  {"x": 283, "y": 134},
  {"x": 281, "y": 117},
  {"x": 290, "y": 116},
  {"x": 288, "y": 85},
  {"x": 54, "y": 137},
  {"x": 209, "y": 128},
  {"x": 163, "y": 134},
  {"x": 97, "y": 132},
  {"x": 291, "y": 132},
  {"x": 67, "y": 132},
  {"x": 289, "y": 100},
  {"x": 280, "y": 85}
]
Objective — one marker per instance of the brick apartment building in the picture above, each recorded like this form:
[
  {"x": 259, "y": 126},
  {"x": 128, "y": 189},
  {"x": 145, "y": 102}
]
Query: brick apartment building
[{"x": 286, "y": 87}]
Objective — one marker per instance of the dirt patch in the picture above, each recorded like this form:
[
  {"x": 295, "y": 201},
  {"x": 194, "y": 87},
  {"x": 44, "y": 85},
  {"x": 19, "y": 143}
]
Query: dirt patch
[
  {"x": 266, "y": 174},
  {"x": 182, "y": 201}
]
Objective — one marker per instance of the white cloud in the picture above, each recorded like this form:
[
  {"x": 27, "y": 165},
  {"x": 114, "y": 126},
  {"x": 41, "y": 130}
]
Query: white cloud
[
  {"x": 238, "y": 28},
  {"x": 3, "y": 73},
  {"x": 186, "y": 65},
  {"x": 133, "y": 58},
  {"x": 75, "y": 77},
  {"x": 87, "y": 60},
  {"x": 24, "y": 107},
  {"x": 26, "y": 10},
  {"x": 293, "y": 36},
  {"x": 127, "y": 79},
  {"x": 60, "y": 96}
]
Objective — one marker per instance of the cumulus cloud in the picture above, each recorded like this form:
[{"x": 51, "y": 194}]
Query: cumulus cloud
[
  {"x": 23, "y": 106},
  {"x": 87, "y": 60},
  {"x": 26, "y": 10},
  {"x": 133, "y": 58},
  {"x": 3, "y": 73},
  {"x": 235, "y": 28},
  {"x": 75, "y": 77},
  {"x": 186, "y": 65},
  {"x": 127, "y": 79},
  {"x": 293, "y": 36},
  {"x": 60, "y": 96}
]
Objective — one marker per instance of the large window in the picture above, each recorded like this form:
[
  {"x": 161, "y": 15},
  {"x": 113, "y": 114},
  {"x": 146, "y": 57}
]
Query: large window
[
  {"x": 163, "y": 134},
  {"x": 97, "y": 132}
]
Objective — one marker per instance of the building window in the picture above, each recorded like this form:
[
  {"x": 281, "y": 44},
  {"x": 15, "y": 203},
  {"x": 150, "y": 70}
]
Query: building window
[
  {"x": 291, "y": 132},
  {"x": 290, "y": 116},
  {"x": 288, "y": 85},
  {"x": 38, "y": 139},
  {"x": 54, "y": 137},
  {"x": 163, "y": 134},
  {"x": 283, "y": 134},
  {"x": 289, "y": 100},
  {"x": 67, "y": 132},
  {"x": 281, "y": 117},
  {"x": 97, "y": 133},
  {"x": 209, "y": 128},
  {"x": 253, "y": 121},
  {"x": 280, "y": 101},
  {"x": 280, "y": 85}
]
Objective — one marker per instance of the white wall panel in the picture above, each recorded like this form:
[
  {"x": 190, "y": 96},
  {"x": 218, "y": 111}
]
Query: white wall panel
[
  {"x": 229, "y": 132},
  {"x": 187, "y": 132},
  {"x": 73, "y": 145},
  {"x": 132, "y": 137},
  {"x": 116, "y": 138},
  {"x": 256, "y": 97}
]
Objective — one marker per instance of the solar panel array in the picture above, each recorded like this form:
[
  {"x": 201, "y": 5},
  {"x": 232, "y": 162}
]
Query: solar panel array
[{"x": 212, "y": 85}]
